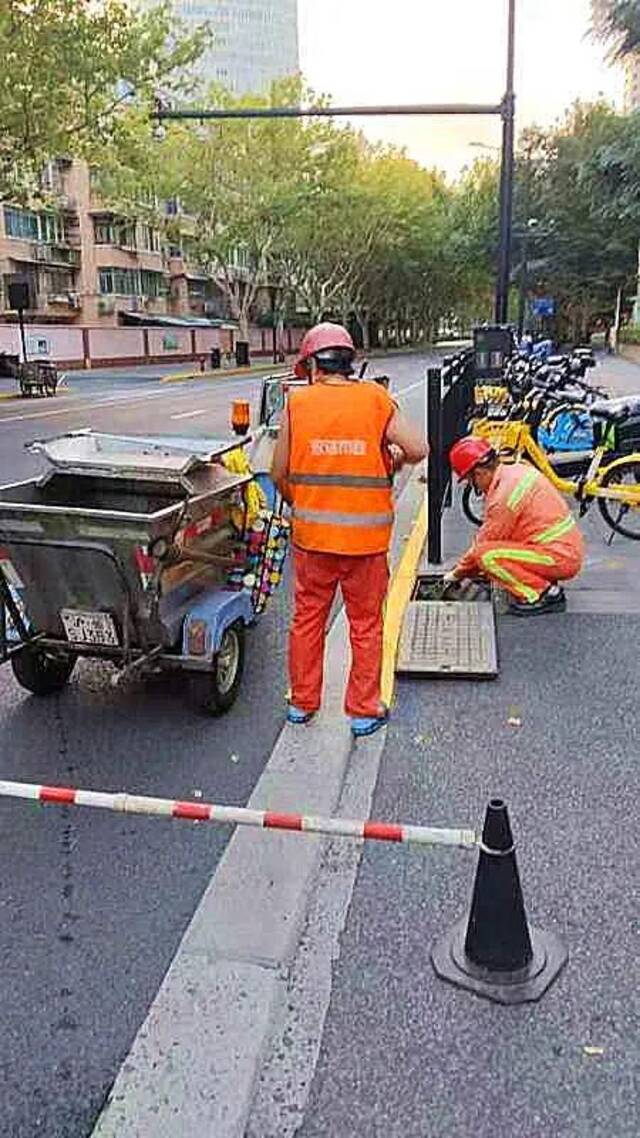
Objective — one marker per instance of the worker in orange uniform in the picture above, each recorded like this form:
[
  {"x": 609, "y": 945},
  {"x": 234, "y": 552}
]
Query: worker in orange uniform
[
  {"x": 339, "y": 443},
  {"x": 529, "y": 540}
]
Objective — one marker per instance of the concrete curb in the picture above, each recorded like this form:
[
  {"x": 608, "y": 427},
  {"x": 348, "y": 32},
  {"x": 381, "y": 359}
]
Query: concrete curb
[
  {"x": 194, "y": 1063},
  {"x": 182, "y": 377},
  {"x": 9, "y": 395}
]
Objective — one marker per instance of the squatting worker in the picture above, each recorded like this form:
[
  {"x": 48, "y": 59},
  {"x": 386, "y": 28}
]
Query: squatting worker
[
  {"x": 339, "y": 443},
  {"x": 529, "y": 540}
]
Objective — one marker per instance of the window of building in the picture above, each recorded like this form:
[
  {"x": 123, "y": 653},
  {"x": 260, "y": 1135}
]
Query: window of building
[
  {"x": 20, "y": 223},
  {"x": 127, "y": 235},
  {"x": 30, "y": 226},
  {"x": 118, "y": 282},
  {"x": 131, "y": 282},
  {"x": 57, "y": 282},
  {"x": 240, "y": 258},
  {"x": 152, "y": 284},
  {"x": 104, "y": 232},
  {"x": 147, "y": 239}
]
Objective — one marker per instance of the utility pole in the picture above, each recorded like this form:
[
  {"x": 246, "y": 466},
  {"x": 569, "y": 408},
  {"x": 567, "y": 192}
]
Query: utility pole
[
  {"x": 506, "y": 175},
  {"x": 522, "y": 298}
]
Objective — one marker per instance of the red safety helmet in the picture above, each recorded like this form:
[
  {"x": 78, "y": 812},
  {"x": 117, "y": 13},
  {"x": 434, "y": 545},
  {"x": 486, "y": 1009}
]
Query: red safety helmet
[
  {"x": 326, "y": 337},
  {"x": 468, "y": 453}
]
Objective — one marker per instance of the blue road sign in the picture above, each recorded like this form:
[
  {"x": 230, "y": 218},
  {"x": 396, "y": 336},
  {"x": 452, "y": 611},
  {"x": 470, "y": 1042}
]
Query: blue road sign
[{"x": 543, "y": 306}]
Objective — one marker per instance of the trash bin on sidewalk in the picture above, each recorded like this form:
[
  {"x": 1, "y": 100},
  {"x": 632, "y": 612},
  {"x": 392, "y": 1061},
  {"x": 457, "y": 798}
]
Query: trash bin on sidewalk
[
  {"x": 216, "y": 358},
  {"x": 242, "y": 353},
  {"x": 492, "y": 347}
]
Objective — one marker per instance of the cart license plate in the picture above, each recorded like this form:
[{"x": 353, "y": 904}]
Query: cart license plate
[{"x": 89, "y": 627}]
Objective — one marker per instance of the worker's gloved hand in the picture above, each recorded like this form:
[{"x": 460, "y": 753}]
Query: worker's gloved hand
[{"x": 451, "y": 577}]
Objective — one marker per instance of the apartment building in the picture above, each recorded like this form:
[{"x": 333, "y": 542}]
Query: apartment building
[{"x": 85, "y": 265}]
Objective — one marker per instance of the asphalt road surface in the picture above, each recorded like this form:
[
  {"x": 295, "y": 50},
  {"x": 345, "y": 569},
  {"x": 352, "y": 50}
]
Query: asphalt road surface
[{"x": 92, "y": 906}]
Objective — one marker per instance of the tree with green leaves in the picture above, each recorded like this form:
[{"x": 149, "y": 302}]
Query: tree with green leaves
[
  {"x": 70, "y": 71},
  {"x": 578, "y": 181},
  {"x": 617, "y": 22},
  {"x": 246, "y": 185}
]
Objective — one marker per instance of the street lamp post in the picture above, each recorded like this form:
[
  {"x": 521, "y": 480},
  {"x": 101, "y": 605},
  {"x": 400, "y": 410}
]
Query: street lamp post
[
  {"x": 506, "y": 176},
  {"x": 530, "y": 227}
]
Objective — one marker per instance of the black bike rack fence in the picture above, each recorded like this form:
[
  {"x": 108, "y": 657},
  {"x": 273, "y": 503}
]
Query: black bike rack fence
[{"x": 449, "y": 404}]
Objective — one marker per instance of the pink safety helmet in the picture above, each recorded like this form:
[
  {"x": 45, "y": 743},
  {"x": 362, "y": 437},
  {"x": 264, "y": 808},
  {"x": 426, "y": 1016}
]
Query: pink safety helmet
[{"x": 332, "y": 343}]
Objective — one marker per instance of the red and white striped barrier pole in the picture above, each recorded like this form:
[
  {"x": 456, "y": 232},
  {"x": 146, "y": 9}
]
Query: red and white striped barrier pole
[{"x": 241, "y": 816}]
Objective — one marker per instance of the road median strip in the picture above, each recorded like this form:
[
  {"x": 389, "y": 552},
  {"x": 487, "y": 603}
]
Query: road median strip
[
  {"x": 257, "y": 369},
  {"x": 231, "y": 967}
]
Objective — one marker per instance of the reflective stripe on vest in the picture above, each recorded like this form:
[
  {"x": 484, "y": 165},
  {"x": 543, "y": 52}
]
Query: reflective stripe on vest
[
  {"x": 333, "y": 518},
  {"x": 519, "y": 491},
  {"x": 354, "y": 481},
  {"x": 557, "y": 530}
]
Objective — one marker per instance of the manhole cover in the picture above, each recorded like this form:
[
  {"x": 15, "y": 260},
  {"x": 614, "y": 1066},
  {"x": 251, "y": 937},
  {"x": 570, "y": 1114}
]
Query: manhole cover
[{"x": 449, "y": 638}]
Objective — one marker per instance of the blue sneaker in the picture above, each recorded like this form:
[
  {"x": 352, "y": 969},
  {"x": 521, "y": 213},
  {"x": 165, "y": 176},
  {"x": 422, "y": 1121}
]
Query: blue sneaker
[
  {"x": 297, "y": 716},
  {"x": 368, "y": 724}
]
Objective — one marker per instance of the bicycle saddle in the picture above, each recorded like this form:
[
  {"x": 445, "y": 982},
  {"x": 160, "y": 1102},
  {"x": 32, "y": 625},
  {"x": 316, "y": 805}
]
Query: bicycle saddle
[{"x": 616, "y": 410}]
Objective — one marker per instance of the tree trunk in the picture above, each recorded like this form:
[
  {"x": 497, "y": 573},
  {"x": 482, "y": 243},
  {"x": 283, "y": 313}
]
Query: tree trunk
[{"x": 363, "y": 321}]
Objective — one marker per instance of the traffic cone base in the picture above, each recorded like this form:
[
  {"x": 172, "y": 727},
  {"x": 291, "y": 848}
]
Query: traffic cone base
[
  {"x": 495, "y": 952},
  {"x": 524, "y": 985}
]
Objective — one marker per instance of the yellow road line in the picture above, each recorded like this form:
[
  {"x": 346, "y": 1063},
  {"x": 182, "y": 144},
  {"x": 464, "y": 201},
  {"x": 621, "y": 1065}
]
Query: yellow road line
[
  {"x": 398, "y": 598},
  {"x": 181, "y": 376}
]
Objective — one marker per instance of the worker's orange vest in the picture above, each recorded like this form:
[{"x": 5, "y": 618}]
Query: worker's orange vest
[{"x": 339, "y": 479}]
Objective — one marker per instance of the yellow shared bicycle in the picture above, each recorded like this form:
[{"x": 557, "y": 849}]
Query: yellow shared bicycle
[{"x": 610, "y": 478}]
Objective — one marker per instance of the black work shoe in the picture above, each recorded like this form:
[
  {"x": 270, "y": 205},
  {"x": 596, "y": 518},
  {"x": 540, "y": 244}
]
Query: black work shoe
[{"x": 552, "y": 600}]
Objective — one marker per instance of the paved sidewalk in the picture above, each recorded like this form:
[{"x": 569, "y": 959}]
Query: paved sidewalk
[
  {"x": 404, "y": 1054},
  {"x": 619, "y": 375}
]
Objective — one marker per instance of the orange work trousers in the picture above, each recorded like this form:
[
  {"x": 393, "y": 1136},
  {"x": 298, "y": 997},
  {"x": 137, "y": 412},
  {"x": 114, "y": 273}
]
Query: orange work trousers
[
  {"x": 526, "y": 569},
  {"x": 363, "y": 581}
]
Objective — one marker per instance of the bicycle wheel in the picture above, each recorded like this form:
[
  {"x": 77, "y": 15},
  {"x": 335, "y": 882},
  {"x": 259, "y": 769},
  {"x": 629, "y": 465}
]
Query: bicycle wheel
[
  {"x": 622, "y": 517},
  {"x": 472, "y": 505}
]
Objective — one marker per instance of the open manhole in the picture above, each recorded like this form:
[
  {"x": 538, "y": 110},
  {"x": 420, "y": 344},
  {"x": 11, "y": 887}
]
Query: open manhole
[{"x": 449, "y": 632}]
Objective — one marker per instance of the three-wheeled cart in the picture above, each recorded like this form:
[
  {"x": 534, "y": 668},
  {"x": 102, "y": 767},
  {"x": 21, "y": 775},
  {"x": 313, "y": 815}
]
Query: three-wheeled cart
[
  {"x": 39, "y": 377},
  {"x": 135, "y": 549}
]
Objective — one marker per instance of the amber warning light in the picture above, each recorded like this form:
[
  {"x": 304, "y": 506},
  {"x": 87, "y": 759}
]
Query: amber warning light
[{"x": 240, "y": 417}]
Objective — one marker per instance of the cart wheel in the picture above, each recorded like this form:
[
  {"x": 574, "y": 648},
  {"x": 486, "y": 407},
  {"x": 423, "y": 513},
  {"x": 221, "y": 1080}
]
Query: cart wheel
[
  {"x": 215, "y": 691},
  {"x": 42, "y": 672}
]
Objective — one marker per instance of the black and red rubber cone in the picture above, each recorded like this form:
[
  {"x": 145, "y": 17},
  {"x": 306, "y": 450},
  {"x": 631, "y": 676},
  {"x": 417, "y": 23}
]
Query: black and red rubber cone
[{"x": 496, "y": 953}]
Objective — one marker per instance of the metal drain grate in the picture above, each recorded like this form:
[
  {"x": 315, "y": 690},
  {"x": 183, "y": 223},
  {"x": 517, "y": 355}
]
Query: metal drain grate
[{"x": 449, "y": 638}]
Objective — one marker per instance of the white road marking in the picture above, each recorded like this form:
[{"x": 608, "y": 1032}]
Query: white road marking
[
  {"x": 411, "y": 387},
  {"x": 189, "y": 414},
  {"x": 128, "y": 399}
]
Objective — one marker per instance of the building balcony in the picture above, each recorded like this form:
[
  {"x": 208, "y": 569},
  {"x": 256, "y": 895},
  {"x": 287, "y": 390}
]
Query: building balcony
[
  {"x": 53, "y": 254},
  {"x": 114, "y": 256}
]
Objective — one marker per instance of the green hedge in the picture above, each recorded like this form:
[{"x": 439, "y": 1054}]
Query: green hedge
[{"x": 630, "y": 335}]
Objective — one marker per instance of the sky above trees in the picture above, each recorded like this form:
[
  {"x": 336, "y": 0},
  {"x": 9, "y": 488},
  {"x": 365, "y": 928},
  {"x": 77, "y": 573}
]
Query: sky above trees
[{"x": 452, "y": 50}]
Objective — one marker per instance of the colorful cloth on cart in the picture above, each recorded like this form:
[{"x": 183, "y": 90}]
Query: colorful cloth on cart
[{"x": 267, "y": 542}]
